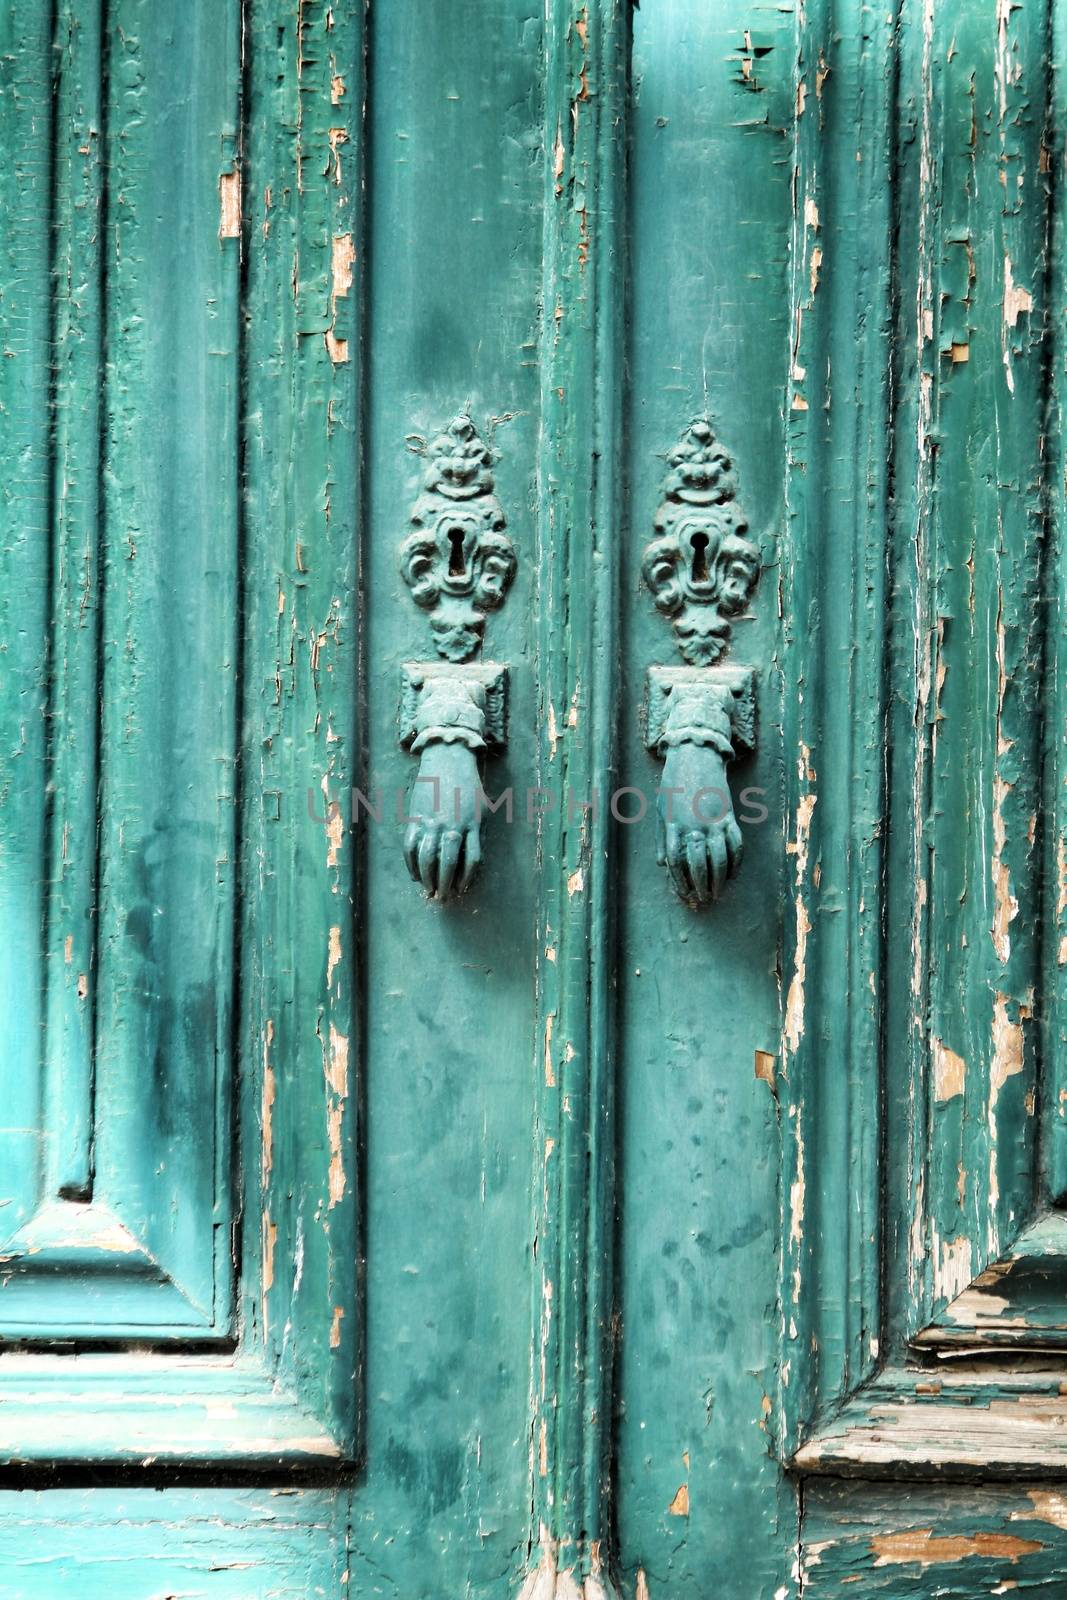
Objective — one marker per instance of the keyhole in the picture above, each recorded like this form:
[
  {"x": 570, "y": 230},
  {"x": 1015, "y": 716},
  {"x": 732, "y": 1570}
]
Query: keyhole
[
  {"x": 699, "y": 541},
  {"x": 456, "y": 566}
]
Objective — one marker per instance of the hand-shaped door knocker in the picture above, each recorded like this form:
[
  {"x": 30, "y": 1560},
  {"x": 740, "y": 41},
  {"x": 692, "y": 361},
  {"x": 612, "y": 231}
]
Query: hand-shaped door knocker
[
  {"x": 701, "y": 570},
  {"x": 458, "y": 563}
]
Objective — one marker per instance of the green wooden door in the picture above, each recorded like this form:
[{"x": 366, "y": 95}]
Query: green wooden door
[{"x": 532, "y": 812}]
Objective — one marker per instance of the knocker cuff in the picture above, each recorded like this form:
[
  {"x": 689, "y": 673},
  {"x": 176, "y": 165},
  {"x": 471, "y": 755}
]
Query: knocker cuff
[
  {"x": 710, "y": 706},
  {"x": 453, "y": 704},
  {"x": 450, "y": 712},
  {"x": 698, "y": 715}
]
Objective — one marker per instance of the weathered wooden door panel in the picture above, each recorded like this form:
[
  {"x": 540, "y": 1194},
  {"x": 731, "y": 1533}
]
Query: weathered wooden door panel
[
  {"x": 573, "y": 399},
  {"x": 129, "y": 1198},
  {"x": 958, "y": 1189},
  {"x": 453, "y": 279},
  {"x": 699, "y": 1011},
  {"x": 234, "y": 1544},
  {"x": 895, "y": 1539},
  {"x": 118, "y": 1218}
]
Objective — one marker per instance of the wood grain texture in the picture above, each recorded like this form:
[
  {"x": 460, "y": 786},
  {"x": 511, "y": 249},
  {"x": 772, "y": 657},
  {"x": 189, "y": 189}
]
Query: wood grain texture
[
  {"x": 964, "y": 912},
  {"x": 135, "y": 1544},
  {"x": 699, "y": 1008},
  {"x": 455, "y": 224},
  {"x": 63, "y": 1410},
  {"x": 835, "y": 596},
  {"x": 578, "y": 555},
  {"x": 128, "y": 1226},
  {"x": 165, "y": 930},
  {"x": 302, "y": 232},
  {"x": 913, "y": 1166},
  {"x": 25, "y": 555},
  {"x": 129, "y": 1108},
  {"x": 573, "y": 1240},
  {"x": 78, "y": 344},
  {"x": 975, "y": 1421},
  {"x": 1053, "y": 1100},
  {"x": 957, "y": 1543}
]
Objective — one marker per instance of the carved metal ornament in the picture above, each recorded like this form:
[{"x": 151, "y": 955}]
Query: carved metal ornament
[
  {"x": 700, "y": 567},
  {"x": 453, "y": 705},
  {"x": 690, "y": 705},
  {"x": 701, "y": 570},
  {"x": 458, "y": 562}
]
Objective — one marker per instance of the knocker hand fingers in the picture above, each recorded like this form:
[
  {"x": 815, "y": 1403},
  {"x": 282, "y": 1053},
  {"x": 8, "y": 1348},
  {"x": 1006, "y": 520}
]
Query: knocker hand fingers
[
  {"x": 697, "y": 858},
  {"x": 412, "y": 840},
  {"x": 717, "y": 852},
  {"x": 661, "y": 840},
  {"x": 451, "y": 845},
  {"x": 428, "y": 859},
  {"x": 735, "y": 845},
  {"x": 472, "y": 855},
  {"x": 675, "y": 849}
]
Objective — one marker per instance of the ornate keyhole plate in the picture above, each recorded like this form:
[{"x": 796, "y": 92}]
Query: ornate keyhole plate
[{"x": 701, "y": 569}]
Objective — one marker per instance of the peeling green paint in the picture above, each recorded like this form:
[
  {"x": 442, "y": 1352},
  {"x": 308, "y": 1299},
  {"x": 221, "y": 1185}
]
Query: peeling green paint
[{"x": 579, "y": 1243}]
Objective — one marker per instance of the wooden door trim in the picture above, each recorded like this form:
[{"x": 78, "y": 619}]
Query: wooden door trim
[
  {"x": 922, "y": 1058},
  {"x": 281, "y": 1232},
  {"x": 969, "y": 1423},
  {"x": 68, "y": 1410}
]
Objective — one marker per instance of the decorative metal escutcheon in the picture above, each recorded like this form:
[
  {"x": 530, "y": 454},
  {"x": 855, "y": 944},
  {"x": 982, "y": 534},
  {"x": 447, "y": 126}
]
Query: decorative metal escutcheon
[
  {"x": 701, "y": 570},
  {"x": 458, "y": 563}
]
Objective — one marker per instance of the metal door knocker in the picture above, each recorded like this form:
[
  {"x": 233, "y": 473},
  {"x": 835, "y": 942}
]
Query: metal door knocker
[
  {"x": 701, "y": 570},
  {"x": 458, "y": 563}
]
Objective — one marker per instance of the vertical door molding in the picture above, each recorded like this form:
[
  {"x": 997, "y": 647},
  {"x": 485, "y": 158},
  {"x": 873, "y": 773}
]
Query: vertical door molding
[
  {"x": 303, "y": 374},
  {"x": 834, "y": 599},
  {"x": 102, "y": 1236},
  {"x": 587, "y": 53},
  {"x": 928, "y": 719},
  {"x": 27, "y": 118},
  {"x": 191, "y": 479},
  {"x": 79, "y": 224},
  {"x": 1054, "y": 1043}
]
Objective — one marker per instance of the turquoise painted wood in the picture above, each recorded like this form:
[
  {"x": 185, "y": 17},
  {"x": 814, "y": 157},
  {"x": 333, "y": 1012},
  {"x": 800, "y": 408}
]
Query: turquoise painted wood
[
  {"x": 232, "y": 1545},
  {"x": 698, "y": 1176},
  {"x": 646, "y": 422}
]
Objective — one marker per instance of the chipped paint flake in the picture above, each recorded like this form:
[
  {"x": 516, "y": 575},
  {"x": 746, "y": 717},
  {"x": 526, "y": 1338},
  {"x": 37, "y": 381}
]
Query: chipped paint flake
[
  {"x": 950, "y": 1073},
  {"x": 1048, "y": 1505},
  {"x": 922, "y": 1547},
  {"x": 764, "y": 1067},
  {"x": 679, "y": 1506},
  {"x": 337, "y": 1059},
  {"x": 270, "y": 1239},
  {"x": 335, "y": 1067},
  {"x": 337, "y": 138},
  {"x": 953, "y": 1266},
  {"x": 1005, "y": 904},
  {"x": 553, "y": 731},
  {"x": 268, "y": 1095},
  {"x": 335, "y": 828},
  {"x": 798, "y": 847},
  {"x": 1008, "y": 1049},
  {"x": 338, "y": 1181},
  {"x": 230, "y": 204},
  {"x": 333, "y": 955},
  {"x": 797, "y": 1198},
  {"x": 550, "y": 1071},
  {"x": 1016, "y": 298},
  {"x": 342, "y": 260}
]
